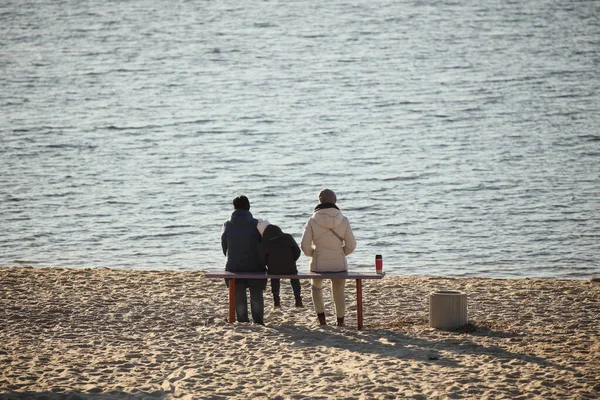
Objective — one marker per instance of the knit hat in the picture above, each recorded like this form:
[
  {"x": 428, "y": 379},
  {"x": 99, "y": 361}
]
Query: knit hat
[
  {"x": 327, "y": 196},
  {"x": 262, "y": 225}
]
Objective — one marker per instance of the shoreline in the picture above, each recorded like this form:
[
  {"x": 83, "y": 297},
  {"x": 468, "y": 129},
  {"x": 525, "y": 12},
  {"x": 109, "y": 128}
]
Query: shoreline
[
  {"x": 390, "y": 272},
  {"x": 117, "y": 333}
]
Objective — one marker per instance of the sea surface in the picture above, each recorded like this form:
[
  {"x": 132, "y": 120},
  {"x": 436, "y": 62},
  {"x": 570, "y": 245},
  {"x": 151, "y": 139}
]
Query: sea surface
[{"x": 461, "y": 137}]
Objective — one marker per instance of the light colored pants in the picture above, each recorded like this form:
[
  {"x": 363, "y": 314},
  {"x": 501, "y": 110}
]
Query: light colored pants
[{"x": 337, "y": 287}]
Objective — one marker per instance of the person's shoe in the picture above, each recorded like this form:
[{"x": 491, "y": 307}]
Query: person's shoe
[
  {"x": 321, "y": 317},
  {"x": 299, "y": 302},
  {"x": 276, "y": 303},
  {"x": 340, "y": 321}
]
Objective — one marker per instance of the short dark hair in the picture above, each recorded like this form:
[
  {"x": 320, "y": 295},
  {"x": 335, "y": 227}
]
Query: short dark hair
[{"x": 241, "y": 203}]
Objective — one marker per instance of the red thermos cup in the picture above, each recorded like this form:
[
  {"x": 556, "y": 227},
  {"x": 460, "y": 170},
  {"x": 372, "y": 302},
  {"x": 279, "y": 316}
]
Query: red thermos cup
[{"x": 379, "y": 264}]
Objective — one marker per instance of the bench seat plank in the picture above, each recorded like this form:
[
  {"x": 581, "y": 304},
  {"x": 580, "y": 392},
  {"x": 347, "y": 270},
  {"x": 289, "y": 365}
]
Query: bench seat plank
[{"x": 299, "y": 275}]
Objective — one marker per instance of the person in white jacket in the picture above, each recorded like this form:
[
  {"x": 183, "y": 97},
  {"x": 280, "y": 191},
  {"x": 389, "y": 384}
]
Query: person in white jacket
[{"x": 327, "y": 240}]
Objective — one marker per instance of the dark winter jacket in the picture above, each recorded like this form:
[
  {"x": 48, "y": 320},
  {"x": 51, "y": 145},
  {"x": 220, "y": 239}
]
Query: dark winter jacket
[
  {"x": 239, "y": 240},
  {"x": 279, "y": 251}
]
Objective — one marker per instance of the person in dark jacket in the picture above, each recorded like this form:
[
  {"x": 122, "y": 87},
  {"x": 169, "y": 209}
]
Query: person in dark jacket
[
  {"x": 279, "y": 252},
  {"x": 239, "y": 240}
]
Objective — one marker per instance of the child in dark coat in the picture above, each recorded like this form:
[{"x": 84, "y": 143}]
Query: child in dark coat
[{"x": 279, "y": 252}]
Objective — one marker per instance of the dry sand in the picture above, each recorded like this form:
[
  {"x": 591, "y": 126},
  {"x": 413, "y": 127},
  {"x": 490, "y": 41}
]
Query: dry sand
[{"x": 103, "y": 334}]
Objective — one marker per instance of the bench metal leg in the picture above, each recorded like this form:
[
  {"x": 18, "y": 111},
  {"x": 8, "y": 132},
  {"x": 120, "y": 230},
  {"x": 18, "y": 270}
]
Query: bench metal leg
[
  {"x": 359, "y": 306},
  {"x": 231, "y": 301}
]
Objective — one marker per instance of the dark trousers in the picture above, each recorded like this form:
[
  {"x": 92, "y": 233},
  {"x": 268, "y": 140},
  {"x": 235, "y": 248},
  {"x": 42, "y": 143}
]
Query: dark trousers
[
  {"x": 257, "y": 305},
  {"x": 276, "y": 284}
]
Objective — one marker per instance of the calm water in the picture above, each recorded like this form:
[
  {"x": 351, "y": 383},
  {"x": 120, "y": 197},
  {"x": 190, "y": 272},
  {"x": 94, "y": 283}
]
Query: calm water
[{"x": 462, "y": 139}]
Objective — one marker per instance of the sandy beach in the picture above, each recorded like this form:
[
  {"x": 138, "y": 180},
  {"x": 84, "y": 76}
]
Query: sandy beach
[{"x": 104, "y": 334}]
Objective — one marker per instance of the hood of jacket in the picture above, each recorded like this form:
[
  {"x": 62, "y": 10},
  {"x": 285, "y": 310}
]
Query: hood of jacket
[
  {"x": 272, "y": 232},
  {"x": 328, "y": 218},
  {"x": 239, "y": 215}
]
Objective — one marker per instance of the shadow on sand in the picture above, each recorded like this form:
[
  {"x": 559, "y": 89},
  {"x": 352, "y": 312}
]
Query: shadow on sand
[
  {"x": 78, "y": 395},
  {"x": 390, "y": 343}
]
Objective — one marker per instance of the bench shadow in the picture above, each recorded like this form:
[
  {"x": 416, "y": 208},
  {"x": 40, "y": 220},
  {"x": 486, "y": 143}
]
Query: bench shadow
[
  {"x": 395, "y": 344},
  {"x": 387, "y": 344}
]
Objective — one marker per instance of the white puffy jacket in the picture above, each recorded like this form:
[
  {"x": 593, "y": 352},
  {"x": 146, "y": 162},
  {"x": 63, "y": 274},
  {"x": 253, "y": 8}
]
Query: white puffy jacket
[{"x": 327, "y": 252}]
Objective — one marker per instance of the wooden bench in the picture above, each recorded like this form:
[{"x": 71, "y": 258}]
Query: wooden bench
[{"x": 232, "y": 276}]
